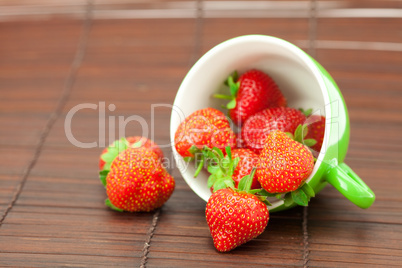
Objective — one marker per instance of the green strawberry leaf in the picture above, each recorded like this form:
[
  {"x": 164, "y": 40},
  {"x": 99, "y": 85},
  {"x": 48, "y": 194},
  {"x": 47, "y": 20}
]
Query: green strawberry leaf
[
  {"x": 300, "y": 198},
  {"x": 308, "y": 190},
  {"x": 264, "y": 200},
  {"x": 231, "y": 104},
  {"x": 265, "y": 193},
  {"x": 107, "y": 166},
  {"x": 113, "y": 151},
  {"x": 218, "y": 152},
  {"x": 246, "y": 181},
  {"x": 138, "y": 144},
  {"x": 210, "y": 154},
  {"x": 103, "y": 175},
  {"x": 229, "y": 183},
  {"x": 109, "y": 204},
  {"x": 224, "y": 97},
  {"x": 233, "y": 86},
  {"x": 300, "y": 133},
  {"x": 108, "y": 156},
  {"x": 200, "y": 165},
  {"x": 254, "y": 191},
  {"x": 123, "y": 144},
  {"x": 194, "y": 150},
  {"x": 309, "y": 142},
  {"x": 212, "y": 169},
  {"x": 234, "y": 164},
  {"x": 228, "y": 152},
  {"x": 288, "y": 201},
  {"x": 211, "y": 180},
  {"x": 279, "y": 196},
  {"x": 188, "y": 158},
  {"x": 307, "y": 112},
  {"x": 221, "y": 183},
  {"x": 290, "y": 135}
]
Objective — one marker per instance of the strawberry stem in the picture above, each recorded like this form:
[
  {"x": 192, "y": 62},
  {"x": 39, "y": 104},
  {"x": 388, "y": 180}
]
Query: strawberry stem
[
  {"x": 233, "y": 88},
  {"x": 221, "y": 96},
  {"x": 199, "y": 167}
]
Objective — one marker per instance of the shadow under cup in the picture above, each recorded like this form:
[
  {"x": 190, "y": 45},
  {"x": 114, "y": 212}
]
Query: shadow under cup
[{"x": 305, "y": 84}]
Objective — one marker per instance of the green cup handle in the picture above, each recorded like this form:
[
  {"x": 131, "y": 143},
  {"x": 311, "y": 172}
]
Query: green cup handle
[{"x": 348, "y": 183}]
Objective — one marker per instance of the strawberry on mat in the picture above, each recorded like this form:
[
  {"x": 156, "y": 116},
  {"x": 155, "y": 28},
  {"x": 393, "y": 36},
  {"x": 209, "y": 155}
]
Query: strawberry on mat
[
  {"x": 235, "y": 216},
  {"x": 137, "y": 181}
]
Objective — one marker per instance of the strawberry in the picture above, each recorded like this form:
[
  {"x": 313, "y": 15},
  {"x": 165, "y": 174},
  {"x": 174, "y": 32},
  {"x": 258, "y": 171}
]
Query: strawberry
[
  {"x": 251, "y": 93},
  {"x": 110, "y": 153},
  {"x": 231, "y": 168},
  {"x": 257, "y": 127},
  {"x": 285, "y": 164},
  {"x": 137, "y": 181},
  {"x": 206, "y": 127},
  {"x": 316, "y": 130},
  {"x": 235, "y": 216}
]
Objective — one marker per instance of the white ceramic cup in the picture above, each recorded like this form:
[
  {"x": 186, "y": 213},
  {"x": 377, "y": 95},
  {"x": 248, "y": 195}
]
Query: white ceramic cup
[{"x": 304, "y": 83}]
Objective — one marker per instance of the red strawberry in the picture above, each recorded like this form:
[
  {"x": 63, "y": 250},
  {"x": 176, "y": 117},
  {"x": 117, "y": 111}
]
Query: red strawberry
[
  {"x": 285, "y": 164},
  {"x": 253, "y": 92},
  {"x": 137, "y": 181},
  {"x": 206, "y": 127},
  {"x": 235, "y": 218},
  {"x": 258, "y": 126},
  {"x": 316, "y": 130},
  {"x": 110, "y": 153}
]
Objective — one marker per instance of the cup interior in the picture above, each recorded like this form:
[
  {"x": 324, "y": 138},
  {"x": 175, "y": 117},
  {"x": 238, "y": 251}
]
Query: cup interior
[{"x": 293, "y": 70}]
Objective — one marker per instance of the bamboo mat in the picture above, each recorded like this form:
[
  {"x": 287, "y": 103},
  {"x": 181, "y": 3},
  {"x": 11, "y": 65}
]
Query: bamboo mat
[{"x": 124, "y": 57}]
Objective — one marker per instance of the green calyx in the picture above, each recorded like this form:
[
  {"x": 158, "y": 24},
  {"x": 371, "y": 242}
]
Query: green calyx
[
  {"x": 221, "y": 168},
  {"x": 233, "y": 88},
  {"x": 199, "y": 158},
  {"x": 300, "y": 135},
  {"x": 110, "y": 205},
  {"x": 245, "y": 187},
  {"x": 113, "y": 151},
  {"x": 307, "y": 112},
  {"x": 301, "y": 196}
]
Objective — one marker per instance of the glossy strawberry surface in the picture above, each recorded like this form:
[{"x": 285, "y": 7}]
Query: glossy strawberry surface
[
  {"x": 206, "y": 127},
  {"x": 256, "y": 129},
  {"x": 257, "y": 91},
  {"x": 285, "y": 164},
  {"x": 235, "y": 218},
  {"x": 137, "y": 181}
]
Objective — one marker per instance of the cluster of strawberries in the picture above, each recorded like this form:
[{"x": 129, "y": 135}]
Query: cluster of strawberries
[{"x": 270, "y": 156}]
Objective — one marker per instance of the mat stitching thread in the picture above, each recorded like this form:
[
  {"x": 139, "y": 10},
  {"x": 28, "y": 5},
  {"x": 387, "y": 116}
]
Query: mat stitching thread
[{"x": 147, "y": 243}]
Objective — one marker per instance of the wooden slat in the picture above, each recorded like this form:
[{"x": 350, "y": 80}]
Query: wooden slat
[{"x": 59, "y": 217}]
